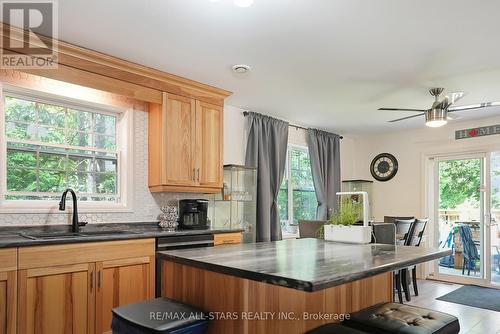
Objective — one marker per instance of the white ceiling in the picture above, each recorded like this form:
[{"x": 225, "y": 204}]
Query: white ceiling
[{"x": 323, "y": 63}]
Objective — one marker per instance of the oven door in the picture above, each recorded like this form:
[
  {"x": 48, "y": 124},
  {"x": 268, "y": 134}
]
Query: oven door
[{"x": 179, "y": 242}]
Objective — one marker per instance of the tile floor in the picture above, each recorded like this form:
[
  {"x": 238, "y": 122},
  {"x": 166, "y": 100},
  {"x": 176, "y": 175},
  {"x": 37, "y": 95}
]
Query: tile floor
[{"x": 472, "y": 320}]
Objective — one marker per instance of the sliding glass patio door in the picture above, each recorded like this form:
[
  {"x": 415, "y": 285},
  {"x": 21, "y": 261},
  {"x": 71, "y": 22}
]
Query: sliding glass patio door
[
  {"x": 459, "y": 214},
  {"x": 467, "y": 215},
  {"x": 493, "y": 221}
]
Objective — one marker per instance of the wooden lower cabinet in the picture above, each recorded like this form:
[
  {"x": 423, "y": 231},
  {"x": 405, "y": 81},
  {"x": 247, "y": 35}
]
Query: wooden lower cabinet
[
  {"x": 122, "y": 282},
  {"x": 58, "y": 299},
  {"x": 227, "y": 238},
  {"x": 8, "y": 290},
  {"x": 72, "y": 297}
]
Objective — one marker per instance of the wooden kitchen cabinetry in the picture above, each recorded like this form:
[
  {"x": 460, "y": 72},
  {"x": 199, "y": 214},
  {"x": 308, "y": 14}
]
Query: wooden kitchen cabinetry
[
  {"x": 8, "y": 290},
  {"x": 121, "y": 282},
  {"x": 72, "y": 288},
  {"x": 185, "y": 145},
  {"x": 227, "y": 238}
]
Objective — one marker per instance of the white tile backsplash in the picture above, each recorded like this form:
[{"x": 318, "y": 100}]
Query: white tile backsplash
[{"x": 146, "y": 206}]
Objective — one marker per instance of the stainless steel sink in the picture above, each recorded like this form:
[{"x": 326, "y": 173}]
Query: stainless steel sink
[
  {"x": 104, "y": 233},
  {"x": 71, "y": 235},
  {"x": 54, "y": 235}
]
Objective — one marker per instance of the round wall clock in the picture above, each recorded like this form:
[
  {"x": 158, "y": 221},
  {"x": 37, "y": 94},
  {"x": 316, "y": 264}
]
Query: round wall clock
[{"x": 384, "y": 167}]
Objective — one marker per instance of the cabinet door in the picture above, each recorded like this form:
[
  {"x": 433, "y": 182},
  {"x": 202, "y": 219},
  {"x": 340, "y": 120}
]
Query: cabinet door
[
  {"x": 8, "y": 299},
  {"x": 121, "y": 282},
  {"x": 57, "y": 300},
  {"x": 209, "y": 144},
  {"x": 179, "y": 140}
]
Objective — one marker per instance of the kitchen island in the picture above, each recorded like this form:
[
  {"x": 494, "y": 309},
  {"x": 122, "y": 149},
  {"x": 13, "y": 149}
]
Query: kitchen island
[{"x": 288, "y": 286}]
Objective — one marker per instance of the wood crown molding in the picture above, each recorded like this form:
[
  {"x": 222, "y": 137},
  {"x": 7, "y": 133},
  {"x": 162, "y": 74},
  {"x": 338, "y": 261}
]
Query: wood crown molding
[{"x": 98, "y": 63}]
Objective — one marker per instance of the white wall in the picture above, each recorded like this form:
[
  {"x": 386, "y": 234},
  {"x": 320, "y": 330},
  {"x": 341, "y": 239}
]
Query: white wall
[
  {"x": 404, "y": 194},
  {"x": 235, "y": 134}
]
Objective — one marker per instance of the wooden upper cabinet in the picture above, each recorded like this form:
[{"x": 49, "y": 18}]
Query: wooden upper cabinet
[
  {"x": 178, "y": 140},
  {"x": 185, "y": 145},
  {"x": 209, "y": 143},
  {"x": 8, "y": 290}
]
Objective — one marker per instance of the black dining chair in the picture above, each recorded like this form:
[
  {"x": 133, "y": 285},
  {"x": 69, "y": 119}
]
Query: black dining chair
[
  {"x": 403, "y": 231},
  {"x": 392, "y": 219},
  {"x": 311, "y": 228},
  {"x": 385, "y": 233},
  {"x": 416, "y": 240},
  {"x": 404, "y": 235}
]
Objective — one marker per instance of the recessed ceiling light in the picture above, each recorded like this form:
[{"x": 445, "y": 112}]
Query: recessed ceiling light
[
  {"x": 243, "y": 3},
  {"x": 241, "y": 68}
]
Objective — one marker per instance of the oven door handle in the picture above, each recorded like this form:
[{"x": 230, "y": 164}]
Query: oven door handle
[{"x": 207, "y": 243}]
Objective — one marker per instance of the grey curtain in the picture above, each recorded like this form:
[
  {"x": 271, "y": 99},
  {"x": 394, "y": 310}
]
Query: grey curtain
[
  {"x": 324, "y": 152},
  {"x": 266, "y": 150}
]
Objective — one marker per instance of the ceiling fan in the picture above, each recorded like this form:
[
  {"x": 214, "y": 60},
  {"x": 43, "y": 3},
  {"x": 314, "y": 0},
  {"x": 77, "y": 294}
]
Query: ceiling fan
[{"x": 437, "y": 115}]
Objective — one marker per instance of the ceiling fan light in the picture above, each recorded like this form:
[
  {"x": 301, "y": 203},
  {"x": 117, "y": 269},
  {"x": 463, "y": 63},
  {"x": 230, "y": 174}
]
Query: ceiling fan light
[
  {"x": 436, "y": 117},
  {"x": 436, "y": 124}
]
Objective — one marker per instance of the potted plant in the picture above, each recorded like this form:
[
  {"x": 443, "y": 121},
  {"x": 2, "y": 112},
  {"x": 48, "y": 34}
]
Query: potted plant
[{"x": 340, "y": 226}]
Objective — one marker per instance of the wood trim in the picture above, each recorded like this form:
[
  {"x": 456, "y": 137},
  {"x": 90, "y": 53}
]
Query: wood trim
[
  {"x": 10, "y": 324},
  {"x": 155, "y": 145},
  {"x": 69, "y": 254},
  {"x": 8, "y": 259},
  {"x": 152, "y": 276},
  {"x": 22, "y": 297},
  {"x": 72, "y": 268},
  {"x": 184, "y": 189},
  {"x": 91, "y": 299},
  {"x": 126, "y": 262},
  {"x": 113, "y": 67},
  {"x": 95, "y": 81},
  {"x": 227, "y": 238},
  {"x": 215, "y": 292}
]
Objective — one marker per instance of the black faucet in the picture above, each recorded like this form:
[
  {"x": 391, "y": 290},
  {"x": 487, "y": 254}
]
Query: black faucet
[{"x": 75, "y": 226}]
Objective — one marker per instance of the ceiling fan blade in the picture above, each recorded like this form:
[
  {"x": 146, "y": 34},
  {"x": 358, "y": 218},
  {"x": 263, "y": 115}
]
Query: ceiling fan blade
[
  {"x": 455, "y": 96},
  {"x": 403, "y": 109},
  {"x": 408, "y": 117},
  {"x": 474, "y": 106}
]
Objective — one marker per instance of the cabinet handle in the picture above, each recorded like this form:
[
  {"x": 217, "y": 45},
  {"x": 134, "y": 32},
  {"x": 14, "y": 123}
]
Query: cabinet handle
[
  {"x": 198, "y": 175},
  {"x": 91, "y": 281},
  {"x": 194, "y": 174},
  {"x": 99, "y": 279}
]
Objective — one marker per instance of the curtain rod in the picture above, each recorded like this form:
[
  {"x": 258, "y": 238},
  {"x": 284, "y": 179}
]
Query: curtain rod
[{"x": 245, "y": 113}]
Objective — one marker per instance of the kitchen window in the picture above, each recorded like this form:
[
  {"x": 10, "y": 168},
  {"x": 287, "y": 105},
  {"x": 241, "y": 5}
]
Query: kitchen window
[
  {"x": 297, "y": 197},
  {"x": 50, "y": 144}
]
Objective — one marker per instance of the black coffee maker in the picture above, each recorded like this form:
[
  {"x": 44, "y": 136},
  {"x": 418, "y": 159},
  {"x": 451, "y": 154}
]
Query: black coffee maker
[{"x": 193, "y": 214}]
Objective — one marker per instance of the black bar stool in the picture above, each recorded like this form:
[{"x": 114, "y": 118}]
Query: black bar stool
[
  {"x": 394, "y": 318},
  {"x": 160, "y": 316}
]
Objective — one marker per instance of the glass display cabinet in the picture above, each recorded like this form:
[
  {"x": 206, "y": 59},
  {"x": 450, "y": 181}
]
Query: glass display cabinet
[
  {"x": 236, "y": 205},
  {"x": 360, "y": 185}
]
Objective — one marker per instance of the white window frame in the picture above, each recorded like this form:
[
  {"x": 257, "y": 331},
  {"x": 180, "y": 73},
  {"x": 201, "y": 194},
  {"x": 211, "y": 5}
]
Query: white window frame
[
  {"x": 287, "y": 175},
  {"x": 124, "y": 148}
]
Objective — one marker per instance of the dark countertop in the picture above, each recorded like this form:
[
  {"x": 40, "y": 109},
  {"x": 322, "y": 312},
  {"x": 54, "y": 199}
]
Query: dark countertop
[
  {"x": 10, "y": 235},
  {"x": 304, "y": 264}
]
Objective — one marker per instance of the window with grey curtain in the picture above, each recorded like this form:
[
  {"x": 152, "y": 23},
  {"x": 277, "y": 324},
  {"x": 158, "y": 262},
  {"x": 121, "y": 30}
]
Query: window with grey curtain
[
  {"x": 266, "y": 150},
  {"x": 324, "y": 152}
]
